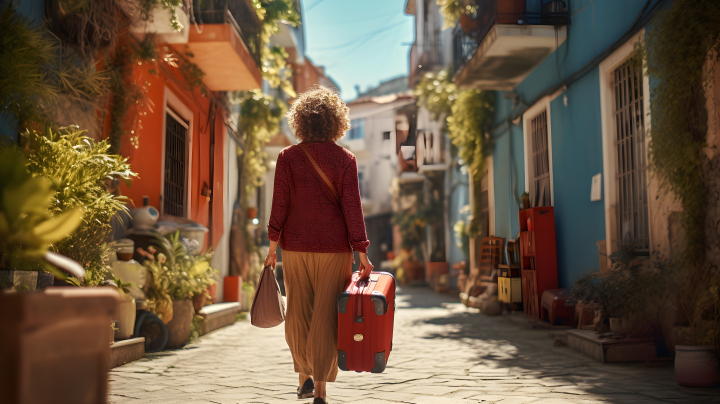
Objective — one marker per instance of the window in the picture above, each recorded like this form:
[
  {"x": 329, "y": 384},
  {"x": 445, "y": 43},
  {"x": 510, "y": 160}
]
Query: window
[
  {"x": 386, "y": 135},
  {"x": 175, "y": 189},
  {"x": 629, "y": 142},
  {"x": 356, "y": 130},
  {"x": 540, "y": 161}
]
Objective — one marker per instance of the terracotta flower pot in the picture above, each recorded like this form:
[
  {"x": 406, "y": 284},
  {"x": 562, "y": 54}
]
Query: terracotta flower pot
[
  {"x": 212, "y": 291},
  {"x": 199, "y": 301},
  {"x": 696, "y": 366},
  {"x": 125, "y": 324},
  {"x": 179, "y": 326},
  {"x": 251, "y": 213}
]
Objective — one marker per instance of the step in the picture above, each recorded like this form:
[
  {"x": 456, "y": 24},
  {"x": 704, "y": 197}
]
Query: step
[
  {"x": 126, "y": 351},
  {"x": 218, "y": 315},
  {"x": 612, "y": 350}
]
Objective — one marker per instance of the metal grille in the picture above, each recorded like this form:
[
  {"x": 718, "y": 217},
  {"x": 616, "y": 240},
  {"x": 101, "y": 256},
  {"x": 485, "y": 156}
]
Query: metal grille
[
  {"x": 540, "y": 161},
  {"x": 175, "y": 167},
  {"x": 632, "y": 211}
]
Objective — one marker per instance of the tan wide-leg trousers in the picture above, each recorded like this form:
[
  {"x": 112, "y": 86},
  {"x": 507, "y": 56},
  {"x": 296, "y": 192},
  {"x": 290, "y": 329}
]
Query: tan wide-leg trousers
[{"x": 313, "y": 282}]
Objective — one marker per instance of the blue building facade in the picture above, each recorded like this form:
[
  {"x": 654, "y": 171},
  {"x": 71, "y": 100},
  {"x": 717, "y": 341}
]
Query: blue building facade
[{"x": 567, "y": 86}]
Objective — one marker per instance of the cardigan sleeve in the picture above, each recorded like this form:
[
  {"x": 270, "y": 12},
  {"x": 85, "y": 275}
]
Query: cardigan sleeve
[
  {"x": 281, "y": 198},
  {"x": 352, "y": 207}
]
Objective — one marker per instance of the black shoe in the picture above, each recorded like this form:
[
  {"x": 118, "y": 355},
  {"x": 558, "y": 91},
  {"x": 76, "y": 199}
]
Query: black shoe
[
  {"x": 307, "y": 390},
  {"x": 319, "y": 400}
]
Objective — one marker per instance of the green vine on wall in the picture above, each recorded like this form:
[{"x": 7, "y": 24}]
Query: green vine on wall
[
  {"x": 678, "y": 44},
  {"x": 468, "y": 114},
  {"x": 260, "y": 119},
  {"x": 676, "y": 47}
]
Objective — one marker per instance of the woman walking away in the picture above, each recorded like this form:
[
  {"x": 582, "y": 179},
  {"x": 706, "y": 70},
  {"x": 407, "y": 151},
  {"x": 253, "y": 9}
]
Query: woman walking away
[{"x": 317, "y": 232}]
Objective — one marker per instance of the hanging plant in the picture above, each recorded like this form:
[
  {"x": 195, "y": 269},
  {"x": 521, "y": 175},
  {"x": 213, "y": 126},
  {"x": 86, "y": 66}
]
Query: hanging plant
[
  {"x": 35, "y": 73},
  {"x": 89, "y": 26},
  {"x": 454, "y": 11},
  {"x": 260, "y": 119}
]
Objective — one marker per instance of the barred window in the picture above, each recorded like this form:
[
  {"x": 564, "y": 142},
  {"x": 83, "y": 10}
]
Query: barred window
[
  {"x": 631, "y": 181},
  {"x": 175, "y": 189},
  {"x": 540, "y": 163}
]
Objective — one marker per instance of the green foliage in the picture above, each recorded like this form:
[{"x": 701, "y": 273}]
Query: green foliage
[
  {"x": 27, "y": 227},
  {"x": 35, "y": 72},
  {"x": 175, "y": 274},
  {"x": 147, "y": 7},
  {"x": 79, "y": 166},
  {"x": 471, "y": 115},
  {"x": 260, "y": 119},
  {"x": 468, "y": 115},
  {"x": 274, "y": 68},
  {"x": 462, "y": 234},
  {"x": 436, "y": 93},
  {"x": 413, "y": 223},
  {"x": 452, "y": 10},
  {"x": 195, "y": 329},
  {"x": 678, "y": 43}
]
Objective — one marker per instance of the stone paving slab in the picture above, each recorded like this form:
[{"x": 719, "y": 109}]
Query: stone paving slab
[{"x": 443, "y": 353}]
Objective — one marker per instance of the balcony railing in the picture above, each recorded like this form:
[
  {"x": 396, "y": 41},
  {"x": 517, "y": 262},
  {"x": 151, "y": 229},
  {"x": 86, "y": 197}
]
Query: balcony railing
[
  {"x": 488, "y": 13},
  {"x": 237, "y": 13}
]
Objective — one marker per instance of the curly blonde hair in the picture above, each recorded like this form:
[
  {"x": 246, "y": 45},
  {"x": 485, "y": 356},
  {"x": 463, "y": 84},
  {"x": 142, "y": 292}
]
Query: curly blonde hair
[{"x": 319, "y": 114}]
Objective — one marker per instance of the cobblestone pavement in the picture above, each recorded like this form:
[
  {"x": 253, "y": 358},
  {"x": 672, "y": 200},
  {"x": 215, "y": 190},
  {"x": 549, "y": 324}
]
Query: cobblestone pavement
[{"x": 443, "y": 353}]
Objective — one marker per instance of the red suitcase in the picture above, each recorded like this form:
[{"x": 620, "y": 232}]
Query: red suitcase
[{"x": 366, "y": 312}]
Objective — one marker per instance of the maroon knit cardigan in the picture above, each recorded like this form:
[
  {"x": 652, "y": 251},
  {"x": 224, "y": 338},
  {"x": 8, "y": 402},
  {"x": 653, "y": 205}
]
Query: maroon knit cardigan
[{"x": 305, "y": 215}]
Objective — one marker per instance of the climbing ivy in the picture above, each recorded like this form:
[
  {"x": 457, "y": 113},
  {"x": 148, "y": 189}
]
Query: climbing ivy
[
  {"x": 260, "y": 120},
  {"x": 677, "y": 45},
  {"x": 468, "y": 113}
]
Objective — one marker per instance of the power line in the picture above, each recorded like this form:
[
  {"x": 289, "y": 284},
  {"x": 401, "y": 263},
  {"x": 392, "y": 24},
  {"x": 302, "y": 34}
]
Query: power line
[
  {"x": 317, "y": 3},
  {"x": 363, "y": 37}
]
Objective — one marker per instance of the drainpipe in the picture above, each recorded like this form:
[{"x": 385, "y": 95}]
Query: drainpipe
[{"x": 211, "y": 127}]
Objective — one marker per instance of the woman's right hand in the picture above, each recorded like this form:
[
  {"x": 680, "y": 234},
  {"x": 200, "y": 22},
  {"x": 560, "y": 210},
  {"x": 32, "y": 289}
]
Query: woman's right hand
[
  {"x": 365, "y": 266},
  {"x": 271, "y": 259}
]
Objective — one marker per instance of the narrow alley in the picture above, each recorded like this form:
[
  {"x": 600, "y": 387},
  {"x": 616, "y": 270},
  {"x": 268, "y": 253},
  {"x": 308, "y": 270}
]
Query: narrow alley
[{"x": 443, "y": 353}]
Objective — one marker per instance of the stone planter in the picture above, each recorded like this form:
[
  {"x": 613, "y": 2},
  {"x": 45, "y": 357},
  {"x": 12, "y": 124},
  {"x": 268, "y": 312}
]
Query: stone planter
[
  {"x": 696, "y": 366},
  {"x": 54, "y": 345},
  {"x": 179, "y": 326},
  {"x": 620, "y": 325},
  {"x": 18, "y": 281},
  {"x": 125, "y": 324}
]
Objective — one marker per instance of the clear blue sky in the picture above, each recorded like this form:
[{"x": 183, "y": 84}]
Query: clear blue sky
[{"x": 359, "y": 42}]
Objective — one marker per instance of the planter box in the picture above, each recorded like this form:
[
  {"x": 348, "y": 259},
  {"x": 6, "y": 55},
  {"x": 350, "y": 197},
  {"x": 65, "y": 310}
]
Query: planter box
[
  {"x": 55, "y": 345},
  {"x": 18, "y": 281},
  {"x": 218, "y": 315},
  {"x": 124, "y": 352},
  {"x": 607, "y": 350}
]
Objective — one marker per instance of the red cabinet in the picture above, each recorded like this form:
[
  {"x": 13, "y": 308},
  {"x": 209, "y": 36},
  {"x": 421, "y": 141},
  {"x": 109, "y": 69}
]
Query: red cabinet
[{"x": 538, "y": 256}]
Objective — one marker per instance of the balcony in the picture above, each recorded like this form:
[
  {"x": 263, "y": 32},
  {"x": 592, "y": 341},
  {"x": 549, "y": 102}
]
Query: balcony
[
  {"x": 226, "y": 45},
  {"x": 424, "y": 58},
  {"x": 505, "y": 40}
]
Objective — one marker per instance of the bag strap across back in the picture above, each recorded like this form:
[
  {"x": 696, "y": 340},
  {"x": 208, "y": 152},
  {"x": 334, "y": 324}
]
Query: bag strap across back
[{"x": 330, "y": 185}]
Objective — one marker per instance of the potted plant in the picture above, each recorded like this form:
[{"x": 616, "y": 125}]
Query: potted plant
[
  {"x": 27, "y": 228},
  {"x": 697, "y": 337},
  {"x": 176, "y": 277},
  {"x": 43, "y": 332},
  {"x": 126, "y": 312}
]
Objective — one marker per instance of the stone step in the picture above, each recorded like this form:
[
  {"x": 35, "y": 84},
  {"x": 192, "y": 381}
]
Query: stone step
[
  {"x": 126, "y": 351},
  {"x": 218, "y": 315}
]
